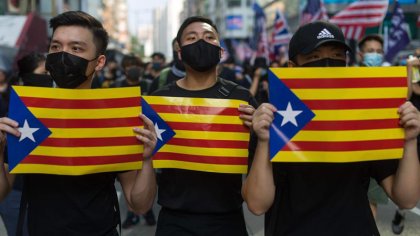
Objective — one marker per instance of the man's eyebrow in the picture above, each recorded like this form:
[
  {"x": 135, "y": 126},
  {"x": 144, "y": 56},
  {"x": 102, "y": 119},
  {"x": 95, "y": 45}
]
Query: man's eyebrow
[{"x": 71, "y": 42}]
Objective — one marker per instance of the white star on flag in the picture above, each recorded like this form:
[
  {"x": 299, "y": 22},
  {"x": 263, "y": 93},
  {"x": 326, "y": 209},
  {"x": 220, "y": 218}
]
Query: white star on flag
[
  {"x": 159, "y": 131},
  {"x": 289, "y": 115},
  {"x": 27, "y": 132}
]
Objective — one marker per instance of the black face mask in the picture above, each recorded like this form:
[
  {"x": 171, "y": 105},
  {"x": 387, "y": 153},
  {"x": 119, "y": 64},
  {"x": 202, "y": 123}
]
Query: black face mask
[
  {"x": 67, "y": 70},
  {"x": 326, "y": 62},
  {"x": 177, "y": 63},
  {"x": 37, "y": 80},
  {"x": 201, "y": 56},
  {"x": 134, "y": 73}
]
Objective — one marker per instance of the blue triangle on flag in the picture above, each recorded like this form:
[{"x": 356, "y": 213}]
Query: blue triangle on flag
[
  {"x": 163, "y": 131},
  {"x": 19, "y": 148},
  {"x": 291, "y": 116}
]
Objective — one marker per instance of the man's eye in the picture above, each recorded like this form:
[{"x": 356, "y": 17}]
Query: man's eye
[{"x": 54, "y": 47}]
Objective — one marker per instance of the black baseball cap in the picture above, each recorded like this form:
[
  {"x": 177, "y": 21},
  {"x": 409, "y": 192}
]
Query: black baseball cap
[{"x": 312, "y": 35}]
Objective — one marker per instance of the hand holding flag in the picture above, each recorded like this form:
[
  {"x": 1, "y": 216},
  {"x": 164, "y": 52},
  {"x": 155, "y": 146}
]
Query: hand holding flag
[{"x": 147, "y": 136}]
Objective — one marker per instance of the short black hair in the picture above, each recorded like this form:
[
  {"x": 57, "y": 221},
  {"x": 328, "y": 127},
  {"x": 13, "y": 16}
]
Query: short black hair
[
  {"x": 191, "y": 20},
  {"x": 80, "y": 18},
  {"x": 30, "y": 62},
  {"x": 159, "y": 54},
  {"x": 130, "y": 60},
  {"x": 370, "y": 37}
]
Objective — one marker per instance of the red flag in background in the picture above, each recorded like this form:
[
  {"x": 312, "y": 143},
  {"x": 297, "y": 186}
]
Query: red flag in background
[{"x": 359, "y": 15}]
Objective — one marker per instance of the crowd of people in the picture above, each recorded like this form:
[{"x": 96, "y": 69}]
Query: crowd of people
[{"x": 194, "y": 202}]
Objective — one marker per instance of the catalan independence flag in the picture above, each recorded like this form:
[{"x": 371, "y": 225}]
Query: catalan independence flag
[
  {"x": 336, "y": 114},
  {"x": 74, "y": 132},
  {"x": 209, "y": 136}
]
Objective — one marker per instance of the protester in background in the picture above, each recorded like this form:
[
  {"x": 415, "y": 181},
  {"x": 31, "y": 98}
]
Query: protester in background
[
  {"x": 259, "y": 86},
  {"x": 108, "y": 76},
  {"x": 32, "y": 70},
  {"x": 326, "y": 198},
  {"x": 133, "y": 70},
  {"x": 371, "y": 53},
  {"x": 4, "y": 86},
  {"x": 227, "y": 69},
  {"x": 157, "y": 64},
  {"x": 168, "y": 75}
]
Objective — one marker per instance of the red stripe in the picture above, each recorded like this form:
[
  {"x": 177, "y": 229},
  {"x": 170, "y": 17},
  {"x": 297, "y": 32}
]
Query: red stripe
[
  {"x": 344, "y": 146},
  {"x": 195, "y": 110},
  {"x": 208, "y": 127},
  {"x": 92, "y": 123},
  {"x": 80, "y": 161},
  {"x": 352, "y": 124},
  {"x": 346, "y": 83},
  {"x": 90, "y": 142},
  {"x": 209, "y": 143},
  {"x": 354, "y": 103},
  {"x": 81, "y": 103},
  {"x": 201, "y": 159}
]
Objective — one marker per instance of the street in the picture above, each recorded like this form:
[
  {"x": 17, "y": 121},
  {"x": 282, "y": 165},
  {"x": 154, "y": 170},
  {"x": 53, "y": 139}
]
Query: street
[{"x": 255, "y": 223}]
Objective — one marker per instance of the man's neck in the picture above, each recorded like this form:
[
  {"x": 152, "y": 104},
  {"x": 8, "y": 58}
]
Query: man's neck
[{"x": 198, "y": 80}]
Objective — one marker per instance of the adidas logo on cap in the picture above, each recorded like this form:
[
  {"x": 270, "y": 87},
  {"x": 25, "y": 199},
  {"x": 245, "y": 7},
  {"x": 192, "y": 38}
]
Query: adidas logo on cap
[{"x": 324, "y": 34}]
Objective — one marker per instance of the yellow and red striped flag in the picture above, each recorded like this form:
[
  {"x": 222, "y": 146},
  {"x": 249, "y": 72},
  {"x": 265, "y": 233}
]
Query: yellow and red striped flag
[
  {"x": 209, "y": 135},
  {"x": 74, "y": 132},
  {"x": 337, "y": 114}
]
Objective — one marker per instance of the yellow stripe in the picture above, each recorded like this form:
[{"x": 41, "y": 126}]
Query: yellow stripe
[
  {"x": 74, "y": 170},
  {"x": 58, "y": 93},
  {"x": 85, "y": 113},
  {"x": 229, "y": 169},
  {"x": 349, "y": 135},
  {"x": 343, "y": 72},
  {"x": 199, "y": 151},
  {"x": 183, "y": 101},
  {"x": 91, "y": 132},
  {"x": 87, "y": 151},
  {"x": 350, "y": 93},
  {"x": 187, "y": 134},
  {"x": 356, "y": 114},
  {"x": 352, "y": 156},
  {"x": 192, "y": 118}
]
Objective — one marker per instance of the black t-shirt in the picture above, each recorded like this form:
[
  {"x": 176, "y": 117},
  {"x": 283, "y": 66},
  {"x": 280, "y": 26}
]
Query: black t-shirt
[
  {"x": 324, "y": 198},
  {"x": 195, "y": 191},
  {"x": 71, "y": 205}
]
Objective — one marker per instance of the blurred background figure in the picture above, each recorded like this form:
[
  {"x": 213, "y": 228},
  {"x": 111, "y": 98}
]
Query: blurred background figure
[
  {"x": 259, "y": 86},
  {"x": 371, "y": 53},
  {"x": 173, "y": 73},
  {"x": 158, "y": 63},
  {"x": 32, "y": 70},
  {"x": 133, "y": 70},
  {"x": 108, "y": 76}
]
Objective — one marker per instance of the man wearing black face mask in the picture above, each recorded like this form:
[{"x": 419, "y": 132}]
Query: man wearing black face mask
[
  {"x": 133, "y": 70},
  {"x": 32, "y": 70},
  {"x": 194, "y": 202},
  {"x": 86, "y": 204},
  {"x": 326, "y": 199}
]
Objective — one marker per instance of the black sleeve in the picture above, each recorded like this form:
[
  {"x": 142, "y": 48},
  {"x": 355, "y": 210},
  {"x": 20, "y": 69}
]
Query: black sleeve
[{"x": 382, "y": 169}]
